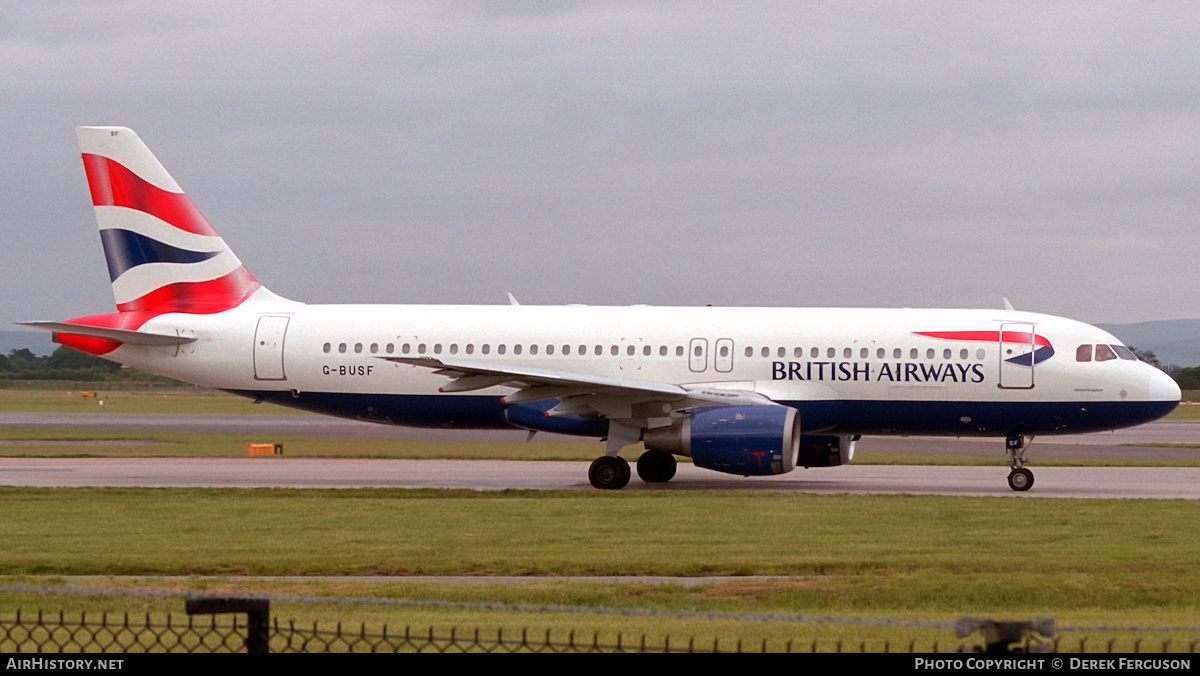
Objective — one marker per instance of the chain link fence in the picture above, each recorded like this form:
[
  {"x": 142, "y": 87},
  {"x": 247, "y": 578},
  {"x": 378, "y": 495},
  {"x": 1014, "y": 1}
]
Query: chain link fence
[{"x": 220, "y": 624}]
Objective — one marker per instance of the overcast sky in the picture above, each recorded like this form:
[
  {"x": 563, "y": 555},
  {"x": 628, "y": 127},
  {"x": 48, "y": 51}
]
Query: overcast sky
[{"x": 671, "y": 153}]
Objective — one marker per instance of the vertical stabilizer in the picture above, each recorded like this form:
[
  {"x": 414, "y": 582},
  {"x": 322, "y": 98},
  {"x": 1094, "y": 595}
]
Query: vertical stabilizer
[{"x": 163, "y": 256}]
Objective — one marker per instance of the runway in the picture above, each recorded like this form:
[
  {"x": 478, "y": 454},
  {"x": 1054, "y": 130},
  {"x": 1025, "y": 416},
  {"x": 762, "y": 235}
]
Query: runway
[
  {"x": 1133, "y": 442},
  {"x": 282, "y": 472},
  {"x": 494, "y": 475}
]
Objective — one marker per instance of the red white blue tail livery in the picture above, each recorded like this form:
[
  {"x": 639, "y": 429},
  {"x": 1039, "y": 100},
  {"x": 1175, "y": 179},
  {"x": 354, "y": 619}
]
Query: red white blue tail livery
[{"x": 747, "y": 391}]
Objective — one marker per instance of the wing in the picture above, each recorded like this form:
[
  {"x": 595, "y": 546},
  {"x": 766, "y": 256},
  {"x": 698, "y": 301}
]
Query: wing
[{"x": 633, "y": 403}]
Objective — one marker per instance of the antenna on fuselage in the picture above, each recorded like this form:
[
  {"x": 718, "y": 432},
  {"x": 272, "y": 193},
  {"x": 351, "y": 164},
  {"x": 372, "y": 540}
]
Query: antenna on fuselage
[{"x": 1007, "y": 305}]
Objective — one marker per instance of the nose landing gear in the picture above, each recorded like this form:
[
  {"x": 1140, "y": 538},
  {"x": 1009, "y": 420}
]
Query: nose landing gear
[{"x": 1020, "y": 478}]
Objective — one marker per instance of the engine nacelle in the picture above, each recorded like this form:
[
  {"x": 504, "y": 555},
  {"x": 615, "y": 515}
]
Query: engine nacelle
[
  {"x": 746, "y": 440},
  {"x": 825, "y": 450}
]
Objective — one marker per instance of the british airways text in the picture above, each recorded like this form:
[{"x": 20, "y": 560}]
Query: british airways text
[{"x": 898, "y": 372}]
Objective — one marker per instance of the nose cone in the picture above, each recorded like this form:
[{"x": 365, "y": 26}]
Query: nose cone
[{"x": 1163, "y": 388}]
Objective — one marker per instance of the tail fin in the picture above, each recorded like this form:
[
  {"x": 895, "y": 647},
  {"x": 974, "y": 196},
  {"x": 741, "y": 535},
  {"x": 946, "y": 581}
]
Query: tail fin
[{"x": 162, "y": 254}]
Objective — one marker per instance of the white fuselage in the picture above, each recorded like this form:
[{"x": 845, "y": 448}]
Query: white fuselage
[{"x": 850, "y": 370}]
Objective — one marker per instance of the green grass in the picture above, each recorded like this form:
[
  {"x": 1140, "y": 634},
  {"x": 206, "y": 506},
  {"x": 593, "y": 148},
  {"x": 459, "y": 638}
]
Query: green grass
[
  {"x": 134, "y": 401},
  {"x": 1083, "y": 562},
  {"x": 389, "y": 532}
]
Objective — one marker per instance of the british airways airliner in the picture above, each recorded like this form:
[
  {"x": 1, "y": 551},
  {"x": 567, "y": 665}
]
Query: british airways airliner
[{"x": 748, "y": 391}]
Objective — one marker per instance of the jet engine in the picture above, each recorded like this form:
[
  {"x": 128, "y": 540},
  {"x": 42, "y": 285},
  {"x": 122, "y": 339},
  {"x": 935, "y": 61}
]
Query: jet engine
[
  {"x": 746, "y": 440},
  {"x": 825, "y": 450}
]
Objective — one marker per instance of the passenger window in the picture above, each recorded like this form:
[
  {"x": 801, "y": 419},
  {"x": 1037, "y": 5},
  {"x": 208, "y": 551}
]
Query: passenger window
[
  {"x": 501, "y": 348},
  {"x": 437, "y": 348},
  {"x": 662, "y": 351},
  {"x": 929, "y": 353},
  {"x": 646, "y": 351},
  {"x": 912, "y": 354},
  {"x": 533, "y": 349},
  {"x": 946, "y": 353},
  {"x": 421, "y": 348},
  {"x": 980, "y": 353},
  {"x": 863, "y": 353},
  {"x": 342, "y": 348},
  {"x": 615, "y": 350},
  {"x": 766, "y": 352},
  {"x": 798, "y": 352},
  {"x": 470, "y": 348},
  {"x": 831, "y": 352},
  {"x": 516, "y": 349},
  {"x": 896, "y": 353},
  {"x": 328, "y": 348},
  {"x": 358, "y": 348},
  {"x": 549, "y": 350},
  {"x": 880, "y": 353},
  {"x": 1083, "y": 353},
  {"x": 391, "y": 348},
  {"x": 599, "y": 350},
  {"x": 453, "y": 348},
  {"x": 486, "y": 348},
  {"x": 405, "y": 348},
  {"x": 566, "y": 350},
  {"x": 963, "y": 354},
  {"x": 1104, "y": 353},
  {"x": 846, "y": 353},
  {"x": 374, "y": 348},
  {"x": 678, "y": 350},
  {"x": 630, "y": 350},
  {"x": 781, "y": 352}
]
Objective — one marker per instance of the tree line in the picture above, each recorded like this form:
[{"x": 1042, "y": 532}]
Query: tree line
[{"x": 67, "y": 364}]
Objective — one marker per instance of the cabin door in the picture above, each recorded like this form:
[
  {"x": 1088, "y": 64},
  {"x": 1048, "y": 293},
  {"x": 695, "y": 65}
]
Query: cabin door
[
  {"x": 1016, "y": 356},
  {"x": 268, "y": 348}
]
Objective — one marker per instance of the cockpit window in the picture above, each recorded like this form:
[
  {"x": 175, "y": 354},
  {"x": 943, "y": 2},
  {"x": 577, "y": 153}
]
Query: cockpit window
[
  {"x": 1104, "y": 353},
  {"x": 1083, "y": 353},
  {"x": 1124, "y": 353}
]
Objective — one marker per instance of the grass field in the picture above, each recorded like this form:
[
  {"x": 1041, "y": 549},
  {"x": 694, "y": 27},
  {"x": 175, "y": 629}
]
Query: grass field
[
  {"x": 1081, "y": 562},
  {"x": 1084, "y": 563}
]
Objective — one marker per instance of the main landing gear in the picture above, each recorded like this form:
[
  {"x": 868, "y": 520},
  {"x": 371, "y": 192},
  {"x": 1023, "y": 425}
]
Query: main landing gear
[
  {"x": 1020, "y": 478},
  {"x": 611, "y": 472},
  {"x": 656, "y": 467}
]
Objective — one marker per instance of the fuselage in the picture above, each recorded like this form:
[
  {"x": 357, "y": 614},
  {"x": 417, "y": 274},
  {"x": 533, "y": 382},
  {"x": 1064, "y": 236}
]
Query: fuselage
[{"x": 847, "y": 371}]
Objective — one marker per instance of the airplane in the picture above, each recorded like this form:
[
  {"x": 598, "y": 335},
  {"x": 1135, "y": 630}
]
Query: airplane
[{"x": 752, "y": 391}]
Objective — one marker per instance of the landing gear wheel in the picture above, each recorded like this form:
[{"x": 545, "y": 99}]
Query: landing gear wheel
[
  {"x": 609, "y": 473},
  {"x": 1020, "y": 479},
  {"x": 656, "y": 467}
]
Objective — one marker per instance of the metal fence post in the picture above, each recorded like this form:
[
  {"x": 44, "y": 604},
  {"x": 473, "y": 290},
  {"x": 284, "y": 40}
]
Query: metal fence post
[{"x": 258, "y": 616}]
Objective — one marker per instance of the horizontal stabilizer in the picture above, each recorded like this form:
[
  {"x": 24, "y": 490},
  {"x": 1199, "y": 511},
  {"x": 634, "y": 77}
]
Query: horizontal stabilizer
[{"x": 121, "y": 335}]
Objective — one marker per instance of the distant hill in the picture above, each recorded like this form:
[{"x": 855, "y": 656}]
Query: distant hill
[
  {"x": 1175, "y": 341},
  {"x": 38, "y": 342}
]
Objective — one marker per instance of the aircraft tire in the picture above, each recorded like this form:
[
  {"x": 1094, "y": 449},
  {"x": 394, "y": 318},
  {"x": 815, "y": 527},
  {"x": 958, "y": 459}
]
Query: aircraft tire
[
  {"x": 609, "y": 473},
  {"x": 1020, "y": 479},
  {"x": 656, "y": 467}
]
